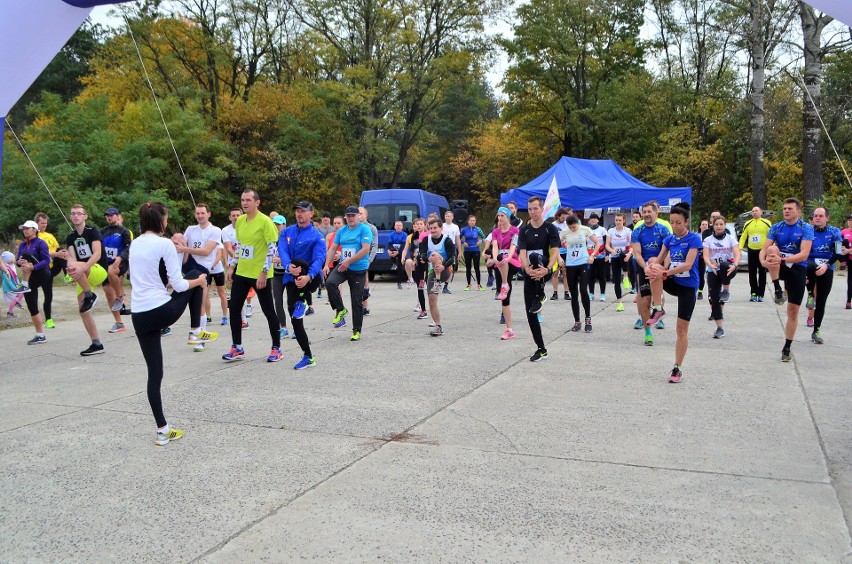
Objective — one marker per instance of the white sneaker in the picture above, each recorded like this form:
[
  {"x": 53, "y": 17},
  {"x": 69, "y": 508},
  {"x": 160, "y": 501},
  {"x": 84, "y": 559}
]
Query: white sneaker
[
  {"x": 249, "y": 310},
  {"x": 199, "y": 347}
]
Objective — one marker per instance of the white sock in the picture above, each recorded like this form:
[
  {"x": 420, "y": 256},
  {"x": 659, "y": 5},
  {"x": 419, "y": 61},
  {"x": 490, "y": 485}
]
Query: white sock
[
  {"x": 165, "y": 429},
  {"x": 203, "y": 322}
]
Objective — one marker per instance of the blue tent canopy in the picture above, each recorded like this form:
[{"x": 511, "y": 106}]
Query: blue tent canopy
[{"x": 587, "y": 184}]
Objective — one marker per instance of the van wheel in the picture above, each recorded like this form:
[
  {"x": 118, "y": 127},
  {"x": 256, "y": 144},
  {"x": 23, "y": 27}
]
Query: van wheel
[{"x": 371, "y": 276}]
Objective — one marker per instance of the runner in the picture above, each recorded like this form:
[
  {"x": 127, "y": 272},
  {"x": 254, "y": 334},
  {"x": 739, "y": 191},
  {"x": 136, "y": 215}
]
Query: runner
[
  {"x": 396, "y": 244},
  {"x": 538, "y": 244},
  {"x": 702, "y": 228},
  {"x": 354, "y": 241},
  {"x": 9, "y": 283},
  {"x": 451, "y": 230},
  {"x": 374, "y": 249},
  {"x": 154, "y": 308},
  {"x": 303, "y": 253},
  {"x": 597, "y": 268},
  {"x": 618, "y": 246},
  {"x": 560, "y": 225},
  {"x": 679, "y": 279},
  {"x": 646, "y": 241},
  {"x": 632, "y": 267},
  {"x": 57, "y": 265},
  {"x": 87, "y": 266},
  {"x": 116, "y": 247},
  {"x": 754, "y": 232},
  {"x": 576, "y": 240},
  {"x": 847, "y": 245},
  {"x": 34, "y": 259},
  {"x": 721, "y": 256},
  {"x": 437, "y": 252},
  {"x": 504, "y": 253},
  {"x": 826, "y": 249},
  {"x": 278, "y": 271},
  {"x": 258, "y": 239},
  {"x": 217, "y": 276},
  {"x": 514, "y": 220},
  {"x": 471, "y": 238},
  {"x": 785, "y": 255}
]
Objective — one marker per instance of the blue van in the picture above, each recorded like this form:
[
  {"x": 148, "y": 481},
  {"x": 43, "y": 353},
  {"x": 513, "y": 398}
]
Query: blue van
[{"x": 385, "y": 207}]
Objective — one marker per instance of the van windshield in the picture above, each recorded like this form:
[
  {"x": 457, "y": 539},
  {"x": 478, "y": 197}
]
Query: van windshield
[{"x": 383, "y": 216}]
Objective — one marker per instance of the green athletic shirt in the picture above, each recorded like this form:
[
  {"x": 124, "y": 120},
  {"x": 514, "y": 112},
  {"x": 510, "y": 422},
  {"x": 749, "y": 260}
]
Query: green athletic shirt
[{"x": 254, "y": 237}]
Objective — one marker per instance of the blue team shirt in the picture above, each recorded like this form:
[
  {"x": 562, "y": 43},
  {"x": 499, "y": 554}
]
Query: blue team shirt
[
  {"x": 823, "y": 246},
  {"x": 679, "y": 248},
  {"x": 396, "y": 241},
  {"x": 471, "y": 236},
  {"x": 350, "y": 241},
  {"x": 789, "y": 238},
  {"x": 650, "y": 239}
]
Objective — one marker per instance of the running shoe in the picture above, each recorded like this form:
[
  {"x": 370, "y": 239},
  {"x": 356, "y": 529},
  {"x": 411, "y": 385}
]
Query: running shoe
[
  {"x": 540, "y": 354},
  {"x": 165, "y": 438},
  {"x": 124, "y": 310},
  {"x": 50, "y": 324},
  {"x": 785, "y": 355},
  {"x": 700, "y": 294},
  {"x": 116, "y": 305},
  {"x": 283, "y": 333},
  {"x": 198, "y": 348},
  {"x": 68, "y": 279},
  {"x": 21, "y": 290},
  {"x": 166, "y": 331},
  {"x": 436, "y": 287},
  {"x": 848, "y": 304},
  {"x": 619, "y": 307},
  {"x": 779, "y": 297},
  {"x": 577, "y": 326},
  {"x": 299, "y": 310},
  {"x": 399, "y": 285},
  {"x": 753, "y": 298},
  {"x": 810, "y": 321},
  {"x": 93, "y": 349},
  {"x": 633, "y": 290},
  {"x": 275, "y": 355},
  {"x": 410, "y": 283},
  {"x": 10, "y": 314},
  {"x": 649, "y": 340},
  {"x": 625, "y": 283},
  {"x": 656, "y": 315},
  {"x": 89, "y": 301},
  {"x": 591, "y": 296},
  {"x": 588, "y": 327},
  {"x": 306, "y": 362},
  {"x": 711, "y": 318},
  {"x": 201, "y": 337},
  {"x": 224, "y": 321},
  {"x": 310, "y": 311},
  {"x": 249, "y": 310},
  {"x": 481, "y": 287},
  {"x": 719, "y": 333},
  {"x": 356, "y": 336},
  {"x": 244, "y": 325},
  {"x": 539, "y": 318},
  {"x": 437, "y": 331},
  {"x": 660, "y": 324},
  {"x": 340, "y": 319},
  {"x": 724, "y": 296},
  {"x": 675, "y": 376},
  {"x": 535, "y": 308},
  {"x": 467, "y": 288},
  {"x": 118, "y": 328},
  {"x": 422, "y": 315},
  {"x": 366, "y": 311},
  {"x": 503, "y": 293},
  {"x": 603, "y": 297},
  {"x": 817, "y": 338},
  {"x": 761, "y": 299},
  {"x": 555, "y": 296},
  {"x": 293, "y": 334},
  {"x": 567, "y": 296},
  {"x": 319, "y": 293},
  {"x": 639, "y": 324},
  {"x": 811, "y": 304},
  {"x": 507, "y": 334},
  {"x": 502, "y": 319},
  {"x": 234, "y": 354},
  {"x": 37, "y": 340},
  {"x": 490, "y": 281}
]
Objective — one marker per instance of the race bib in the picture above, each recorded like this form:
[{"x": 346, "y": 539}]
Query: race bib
[
  {"x": 247, "y": 252},
  {"x": 574, "y": 252},
  {"x": 196, "y": 244},
  {"x": 84, "y": 251},
  {"x": 111, "y": 253},
  {"x": 755, "y": 239},
  {"x": 674, "y": 265},
  {"x": 785, "y": 255},
  {"x": 347, "y": 254},
  {"x": 820, "y": 261}
]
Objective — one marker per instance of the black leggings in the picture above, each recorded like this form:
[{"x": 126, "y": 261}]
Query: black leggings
[
  {"x": 148, "y": 325},
  {"x": 597, "y": 273},
  {"x": 756, "y": 273},
  {"x": 849, "y": 281},
  {"x": 534, "y": 293},
  {"x": 239, "y": 292},
  {"x": 38, "y": 279},
  {"x": 823, "y": 288},
  {"x": 578, "y": 280},
  {"x": 356, "y": 280},
  {"x": 471, "y": 259},
  {"x": 418, "y": 274},
  {"x": 278, "y": 298},
  {"x": 58, "y": 266},
  {"x": 294, "y": 295},
  {"x": 715, "y": 281},
  {"x": 618, "y": 266}
]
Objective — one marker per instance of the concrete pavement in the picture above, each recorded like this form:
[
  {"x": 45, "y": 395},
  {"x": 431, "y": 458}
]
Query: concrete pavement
[{"x": 407, "y": 447}]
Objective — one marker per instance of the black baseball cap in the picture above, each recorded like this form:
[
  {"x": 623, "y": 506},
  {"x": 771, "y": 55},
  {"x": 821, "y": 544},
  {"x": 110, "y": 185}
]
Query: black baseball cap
[
  {"x": 326, "y": 214},
  {"x": 594, "y": 216},
  {"x": 112, "y": 211},
  {"x": 304, "y": 205},
  {"x": 352, "y": 210}
]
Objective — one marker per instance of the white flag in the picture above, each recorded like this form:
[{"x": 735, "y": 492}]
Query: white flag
[{"x": 551, "y": 203}]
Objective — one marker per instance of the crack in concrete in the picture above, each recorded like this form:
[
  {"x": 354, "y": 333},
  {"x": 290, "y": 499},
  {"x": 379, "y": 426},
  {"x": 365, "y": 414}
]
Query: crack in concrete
[{"x": 496, "y": 430}]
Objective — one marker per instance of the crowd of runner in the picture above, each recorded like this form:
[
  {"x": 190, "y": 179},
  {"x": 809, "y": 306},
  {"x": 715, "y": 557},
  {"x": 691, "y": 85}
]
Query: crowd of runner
[{"x": 281, "y": 267}]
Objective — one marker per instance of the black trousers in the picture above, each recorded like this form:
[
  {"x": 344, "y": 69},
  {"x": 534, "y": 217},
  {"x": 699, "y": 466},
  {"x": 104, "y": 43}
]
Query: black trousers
[
  {"x": 578, "y": 279},
  {"x": 39, "y": 279},
  {"x": 534, "y": 292},
  {"x": 471, "y": 261},
  {"x": 148, "y": 325},
  {"x": 597, "y": 274},
  {"x": 617, "y": 265},
  {"x": 822, "y": 285},
  {"x": 356, "y": 280},
  {"x": 756, "y": 273},
  {"x": 239, "y": 292},
  {"x": 296, "y": 294},
  {"x": 418, "y": 274}
]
